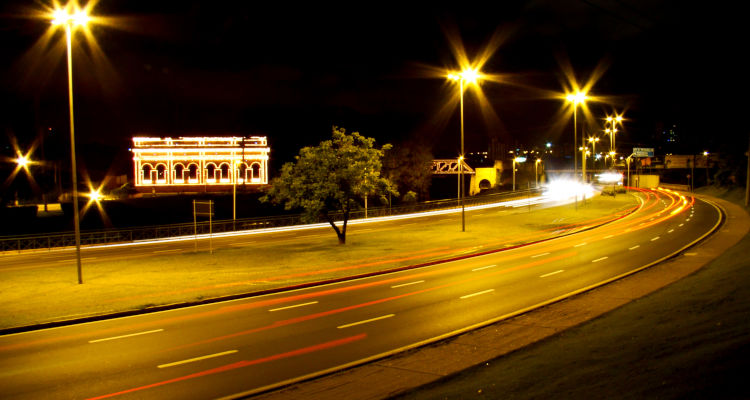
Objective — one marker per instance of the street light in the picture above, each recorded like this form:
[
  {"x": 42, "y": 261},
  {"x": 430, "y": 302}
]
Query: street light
[
  {"x": 593, "y": 141},
  {"x": 706, "y": 153},
  {"x": 22, "y": 161},
  {"x": 516, "y": 160},
  {"x": 71, "y": 19},
  {"x": 468, "y": 75},
  {"x": 613, "y": 121},
  {"x": 575, "y": 98},
  {"x": 584, "y": 150}
]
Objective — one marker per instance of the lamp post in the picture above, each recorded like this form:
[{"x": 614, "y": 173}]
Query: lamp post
[
  {"x": 468, "y": 75},
  {"x": 613, "y": 121},
  {"x": 593, "y": 141},
  {"x": 70, "y": 20},
  {"x": 584, "y": 151},
  {"x": 536, "y": 172},
  {"x": 575, "y": 98},
  {"x": 516, "y": 160},
  {"x": 706, "y": 153}
]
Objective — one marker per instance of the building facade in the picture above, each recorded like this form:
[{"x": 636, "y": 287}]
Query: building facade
[{"x": 199, "y": 164}]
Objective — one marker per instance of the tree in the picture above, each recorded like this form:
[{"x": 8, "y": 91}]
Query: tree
[
  {"x": 331, "y": 178},
  {"x": 408, "y": 167}
]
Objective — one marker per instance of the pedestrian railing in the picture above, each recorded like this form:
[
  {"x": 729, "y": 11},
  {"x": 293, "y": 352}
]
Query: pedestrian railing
[{"x": 125, "y": 235}]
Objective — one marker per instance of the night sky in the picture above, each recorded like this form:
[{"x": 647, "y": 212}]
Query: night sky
[{"x": 288, "y": 71}]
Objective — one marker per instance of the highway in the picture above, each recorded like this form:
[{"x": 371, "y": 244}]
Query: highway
[{"x": 245, "y": 346}]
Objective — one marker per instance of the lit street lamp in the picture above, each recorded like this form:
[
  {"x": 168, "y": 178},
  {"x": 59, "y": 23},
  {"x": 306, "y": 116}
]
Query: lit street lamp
[
  {"x": 468, "y": 75},
  {"x": 516, "y": 160},
  {"x": 584, "y": 150},
  {"x": 706, "y": 153},
  {"x": 70, "y": 20},
  {"x": 593, "y": 141},
  {"x": 613, "y": 121},
  {"x": 575, "y": 98}
]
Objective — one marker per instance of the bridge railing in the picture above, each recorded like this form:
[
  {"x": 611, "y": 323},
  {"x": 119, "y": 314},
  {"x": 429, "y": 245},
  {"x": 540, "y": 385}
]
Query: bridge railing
[{"x": 125, "y": 235}]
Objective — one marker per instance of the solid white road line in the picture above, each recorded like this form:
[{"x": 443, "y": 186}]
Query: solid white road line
[
  {"x": 365, "y": 321},
  {"x": 634, "y": 247},
  {"x": 477, "y": 293},
  {"x": 552, "y": 273},
  {"x": 406, "y": 284},
  {"x": 223, "y": 353},
  {"x": 294, "y": 306},
  {"x": 540, "y": 255},
  {"x": 600, "y": 259},
  {"x": 481, "y": 268},
  {"x": 125, "y": 336}
]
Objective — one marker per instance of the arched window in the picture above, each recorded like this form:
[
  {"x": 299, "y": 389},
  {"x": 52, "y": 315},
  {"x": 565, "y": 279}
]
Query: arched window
[
  {"x": 210, "y": 173},
  {"x": 255, "y": 172},
  {"x": 225, "y": 174},
  {"x": 242, "y": 173},
  {"x": 161, "y": 173},
  {"x": 179, "y": 173},
  {"x": 148, "y": 175},
  {"x": 193, "y": 173}
]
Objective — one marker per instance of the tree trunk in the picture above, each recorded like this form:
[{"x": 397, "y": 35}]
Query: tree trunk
[{"x": 341, "y": 234}]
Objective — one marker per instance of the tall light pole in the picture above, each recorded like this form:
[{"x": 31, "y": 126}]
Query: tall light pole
[
  {"x": 468, "y": 75},
  {"x": 536, "y": 171},
  {"x": 593, "y": 141},
  {"x": 584, "y": 150},
  {"x": 706, "y": 153},
  {"x": 70, "y": 19},
  {"x": 575, "y": 98},
  {"x": 613, "y": 121}
]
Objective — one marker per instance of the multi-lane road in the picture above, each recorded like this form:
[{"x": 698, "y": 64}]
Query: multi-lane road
[{"x": 244, "y": 346}]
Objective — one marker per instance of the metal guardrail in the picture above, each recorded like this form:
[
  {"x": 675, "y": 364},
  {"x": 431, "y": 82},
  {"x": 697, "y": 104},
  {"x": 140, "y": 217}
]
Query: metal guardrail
[{"x": 66, "y": 239}]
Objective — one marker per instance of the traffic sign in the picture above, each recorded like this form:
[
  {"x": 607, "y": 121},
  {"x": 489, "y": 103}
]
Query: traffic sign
[{"x": 643, "y": 151}]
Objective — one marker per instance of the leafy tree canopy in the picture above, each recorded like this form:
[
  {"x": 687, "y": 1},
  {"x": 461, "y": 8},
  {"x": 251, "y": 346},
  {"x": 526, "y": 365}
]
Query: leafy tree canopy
[{"x": 330, "y": 178}]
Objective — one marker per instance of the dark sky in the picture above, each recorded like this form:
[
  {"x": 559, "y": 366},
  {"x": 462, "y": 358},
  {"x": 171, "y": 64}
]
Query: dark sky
[{"x": 289, "y": 71}]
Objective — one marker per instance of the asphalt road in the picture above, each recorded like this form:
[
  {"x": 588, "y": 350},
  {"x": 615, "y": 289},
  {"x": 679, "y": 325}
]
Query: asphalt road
[{"x": 244, "y": 346}]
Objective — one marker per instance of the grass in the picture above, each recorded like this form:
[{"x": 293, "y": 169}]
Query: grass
[{"x": 44, "y": 294}]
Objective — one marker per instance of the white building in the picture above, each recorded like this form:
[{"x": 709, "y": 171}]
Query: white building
[{"x": 193, "y": 164}]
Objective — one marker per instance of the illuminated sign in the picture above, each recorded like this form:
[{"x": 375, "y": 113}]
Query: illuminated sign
[{"x": 200, "y": 161}]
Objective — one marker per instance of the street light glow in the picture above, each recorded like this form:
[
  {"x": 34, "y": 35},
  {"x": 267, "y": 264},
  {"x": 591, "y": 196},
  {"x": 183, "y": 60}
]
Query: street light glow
[
  {"x": 23, "y": 161},
  {"x": 577, "y": 97},
  {"x": 62, "y": 16},
  {"x": 468, "y": 75}
]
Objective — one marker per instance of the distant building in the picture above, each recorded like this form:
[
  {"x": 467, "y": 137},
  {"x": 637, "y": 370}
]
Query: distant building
[{"x": 198, "y": 164}]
